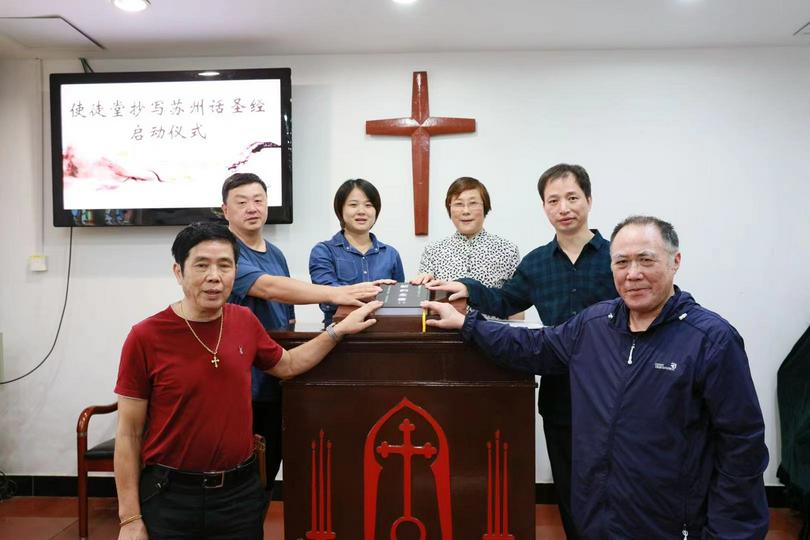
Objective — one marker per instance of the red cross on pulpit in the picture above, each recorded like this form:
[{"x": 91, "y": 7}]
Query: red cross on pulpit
[
  {"x": 437, "y": 454},
  {"x": 407, "y": 450},
  {"x": 420, "y": 126}
]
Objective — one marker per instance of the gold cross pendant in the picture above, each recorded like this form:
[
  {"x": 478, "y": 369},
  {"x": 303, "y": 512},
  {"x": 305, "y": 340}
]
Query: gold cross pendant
[{"x": 215, "y": 361}]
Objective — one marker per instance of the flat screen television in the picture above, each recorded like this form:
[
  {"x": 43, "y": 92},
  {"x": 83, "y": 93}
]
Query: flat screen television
[{"x": 153, "y": 148}]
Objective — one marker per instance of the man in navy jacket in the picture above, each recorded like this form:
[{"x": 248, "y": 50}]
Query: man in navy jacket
[{"x": 668, "y": 436}]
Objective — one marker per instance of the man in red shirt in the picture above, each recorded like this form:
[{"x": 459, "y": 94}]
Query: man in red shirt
[{"x": 184, "y": 407}]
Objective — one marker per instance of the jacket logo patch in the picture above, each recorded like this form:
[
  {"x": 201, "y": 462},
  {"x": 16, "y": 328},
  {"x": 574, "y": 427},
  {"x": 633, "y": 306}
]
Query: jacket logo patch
[{"x": 668, "y": 367}]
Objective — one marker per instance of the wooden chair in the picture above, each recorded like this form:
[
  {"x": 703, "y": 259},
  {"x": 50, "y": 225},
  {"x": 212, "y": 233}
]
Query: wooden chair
[
  {"x": 97, "y": 458},
  {"x": 260, "y": 448},
  {"x": 100, "y": 458}
]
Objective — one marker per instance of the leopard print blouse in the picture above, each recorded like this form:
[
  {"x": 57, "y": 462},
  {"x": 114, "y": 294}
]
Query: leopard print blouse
[{"x": 485, "y": 257}]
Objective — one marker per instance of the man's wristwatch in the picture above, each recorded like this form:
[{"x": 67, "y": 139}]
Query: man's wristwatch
[{"x": 333, "y": 333}]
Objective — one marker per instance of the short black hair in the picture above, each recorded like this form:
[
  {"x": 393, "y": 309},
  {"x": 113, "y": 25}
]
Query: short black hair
[
  {"x": 564, "y": 169},
  {"x": 347, "y": 187},
  {"x": 199, "y": 232},
  {"x": 665, "y": 228},
  {"x": 240, "y": 179}
]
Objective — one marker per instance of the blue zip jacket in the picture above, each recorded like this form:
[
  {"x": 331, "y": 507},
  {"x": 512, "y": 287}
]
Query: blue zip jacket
[{"x": 668, "y": 436}]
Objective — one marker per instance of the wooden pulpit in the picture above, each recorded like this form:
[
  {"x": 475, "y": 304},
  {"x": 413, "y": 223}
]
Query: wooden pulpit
[{"x": 407, "y": 436}]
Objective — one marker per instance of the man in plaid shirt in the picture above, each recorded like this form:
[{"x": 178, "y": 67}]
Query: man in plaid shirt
[{"x": 560, "y": 279}]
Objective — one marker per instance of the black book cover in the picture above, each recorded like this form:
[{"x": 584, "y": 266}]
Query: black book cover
[{"x": 402, "y": 299}]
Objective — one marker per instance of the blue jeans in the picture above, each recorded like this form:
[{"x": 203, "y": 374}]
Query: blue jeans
[{"x": 176, "y": 511}]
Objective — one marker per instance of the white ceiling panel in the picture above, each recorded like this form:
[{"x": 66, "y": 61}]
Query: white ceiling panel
[{"x": 266, "y": 27}]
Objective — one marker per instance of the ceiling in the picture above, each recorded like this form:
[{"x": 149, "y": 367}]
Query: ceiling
[{"x": 181, "y": 28}]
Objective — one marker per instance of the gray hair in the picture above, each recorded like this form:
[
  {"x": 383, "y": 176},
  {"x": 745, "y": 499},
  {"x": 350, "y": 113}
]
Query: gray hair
[{"x": 666, "y": 229}]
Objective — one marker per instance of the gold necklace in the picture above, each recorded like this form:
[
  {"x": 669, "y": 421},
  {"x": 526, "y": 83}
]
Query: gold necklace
[{"x": 214, "y": 360}]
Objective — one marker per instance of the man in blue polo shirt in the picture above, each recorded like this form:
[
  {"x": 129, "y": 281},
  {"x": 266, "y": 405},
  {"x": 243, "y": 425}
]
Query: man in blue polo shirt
[
  {"x": 263, "y": 285},
  {"x": 560, "y": 279}
]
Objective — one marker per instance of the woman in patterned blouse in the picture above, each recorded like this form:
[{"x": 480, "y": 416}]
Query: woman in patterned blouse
[{"x": 470, "y": 251}]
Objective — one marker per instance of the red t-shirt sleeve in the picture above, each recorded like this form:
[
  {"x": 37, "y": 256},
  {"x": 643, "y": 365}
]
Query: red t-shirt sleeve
[
  {"x": 268, "y": 352},
  {"x": 133, "y": 373}
]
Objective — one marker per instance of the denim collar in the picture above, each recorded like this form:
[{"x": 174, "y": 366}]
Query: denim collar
[{"x": 339, "y": 240}]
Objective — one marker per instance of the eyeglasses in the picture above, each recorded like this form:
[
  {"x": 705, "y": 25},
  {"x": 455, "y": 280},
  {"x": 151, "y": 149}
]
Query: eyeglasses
[{"x": 472, "y": 206}]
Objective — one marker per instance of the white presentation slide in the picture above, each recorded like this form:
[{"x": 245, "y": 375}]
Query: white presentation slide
[{"x": 167, "y": 144}]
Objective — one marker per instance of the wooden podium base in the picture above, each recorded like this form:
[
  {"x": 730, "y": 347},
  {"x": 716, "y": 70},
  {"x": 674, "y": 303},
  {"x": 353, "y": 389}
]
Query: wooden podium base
[{"x": 407, "y": 436}]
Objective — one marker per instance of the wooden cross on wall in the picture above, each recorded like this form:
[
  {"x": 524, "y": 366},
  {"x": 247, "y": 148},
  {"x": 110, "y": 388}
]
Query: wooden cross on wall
[{"x": 419, "y": 127}]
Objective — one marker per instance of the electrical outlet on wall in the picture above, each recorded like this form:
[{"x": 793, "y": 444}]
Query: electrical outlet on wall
[{"x": 38, "y": 262}]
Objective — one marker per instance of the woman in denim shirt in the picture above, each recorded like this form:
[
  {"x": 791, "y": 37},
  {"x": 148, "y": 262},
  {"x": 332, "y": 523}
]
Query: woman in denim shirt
[{"x": 354, "y": 254}]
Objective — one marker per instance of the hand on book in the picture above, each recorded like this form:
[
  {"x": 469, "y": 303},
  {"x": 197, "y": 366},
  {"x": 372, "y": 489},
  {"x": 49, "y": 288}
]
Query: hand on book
[
  {"x": 449, "y": 317},
  {"x": 352, "y": 295},
  {"x": 422, "y": 279},
  {"x": 356, "y": 320},
  {"x": 455, "y": 288}
]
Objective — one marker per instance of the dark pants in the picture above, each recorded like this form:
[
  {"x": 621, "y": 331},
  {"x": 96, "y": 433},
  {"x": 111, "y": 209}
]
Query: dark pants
[
  {"x": 267, "y": 423},
  {"x": 172, "y": 511},
  {"x": 558, "y": 443}
]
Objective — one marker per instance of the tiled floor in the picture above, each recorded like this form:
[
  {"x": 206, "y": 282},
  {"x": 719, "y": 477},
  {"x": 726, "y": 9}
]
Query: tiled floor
[{"x": 54, "y": 518}]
